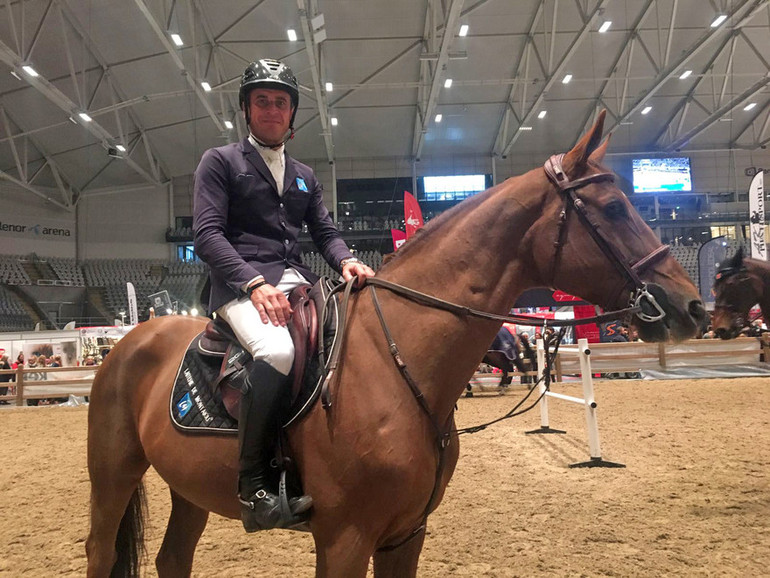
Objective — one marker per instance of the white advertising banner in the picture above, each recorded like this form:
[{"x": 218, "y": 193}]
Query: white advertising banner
[
  {"x": 133, "y": 314},
  {"x": 757, "y": 217}
]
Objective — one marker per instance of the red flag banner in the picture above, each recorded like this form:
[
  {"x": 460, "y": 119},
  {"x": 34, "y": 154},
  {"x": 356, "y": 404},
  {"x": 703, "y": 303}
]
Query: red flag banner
[
  {"x": 588, "y": 330},
  {"x": 562, "y": 296},
  {"x": 412, "y": 214},
  {"x": 399, "y": 238}
]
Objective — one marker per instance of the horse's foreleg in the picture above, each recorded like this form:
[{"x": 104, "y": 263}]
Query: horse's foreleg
[
  {"x": 184, "y": 529},
  {"x": 345, "y": 553},
  {"x": 400, "y": 562}
]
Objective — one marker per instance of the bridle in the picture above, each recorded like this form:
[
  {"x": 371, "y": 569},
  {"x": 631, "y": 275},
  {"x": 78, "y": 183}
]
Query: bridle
[{"x": 555, "y": 172}]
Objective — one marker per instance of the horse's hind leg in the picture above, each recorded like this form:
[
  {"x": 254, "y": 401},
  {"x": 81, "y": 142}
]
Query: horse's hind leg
[
  {"x": 184, "y": 529},
  {"x": 400, "y": 562},
  {"x": 116, "y": 466}
]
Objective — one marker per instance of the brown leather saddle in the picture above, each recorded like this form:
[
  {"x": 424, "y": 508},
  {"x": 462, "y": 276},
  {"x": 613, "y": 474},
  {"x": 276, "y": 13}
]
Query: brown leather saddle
[{"x": 310, "y": 336}]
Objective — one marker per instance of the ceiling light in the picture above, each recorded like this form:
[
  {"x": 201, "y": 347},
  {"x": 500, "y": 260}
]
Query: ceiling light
[
  {"x": 334, "y": 121},
  {"x": 525, "y": 128},
  {"x": 84, "y": 116},
  {"x": 206, "y": 86},
  {"x": 627, "y": 122},
  {"x": 463, "y": 30},
  {"x": 177, "y": 39},
  {"x": 292, "y": 34},
  {"x": 750, "y": 106},
  {"x": 29, "y": 70},
  {"x": 329, "y": 87},
  {"x": 605, "y": 26},
  {"x": 685, "y": 74},
  {"x": 718, "y": 20},
  {"x": 646, "y": 109},
  {"x": 542, "y": 114},
  {"x": 447, "y": 83},
  {"x": 566, "y": 79},
  {"x": 121, "y": 148},
  {"x": 439, "y": 117},
  {"x": 16, "y": 76},
  {"x": 228, "y": 125}
]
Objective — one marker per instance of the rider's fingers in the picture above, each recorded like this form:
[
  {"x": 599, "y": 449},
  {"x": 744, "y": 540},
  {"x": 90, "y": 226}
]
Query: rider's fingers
[{"x": 262, "y": 313}]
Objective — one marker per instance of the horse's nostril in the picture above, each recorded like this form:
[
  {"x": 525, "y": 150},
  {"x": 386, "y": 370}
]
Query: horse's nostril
[{"x": 696, "y": 310}]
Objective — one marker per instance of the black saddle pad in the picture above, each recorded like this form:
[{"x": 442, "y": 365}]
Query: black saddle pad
[{"x": 194, "y": 408}]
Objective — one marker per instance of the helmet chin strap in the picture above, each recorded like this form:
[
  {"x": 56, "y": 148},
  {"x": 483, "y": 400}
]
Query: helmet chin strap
[{"x": 289, "y": 135}]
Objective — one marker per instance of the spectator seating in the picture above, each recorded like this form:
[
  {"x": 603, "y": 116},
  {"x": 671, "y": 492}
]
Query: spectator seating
[
  {"x": 13, "y": 316},
  {"x": 12, "y": 272},
  {"x": 68, "y": 270}
]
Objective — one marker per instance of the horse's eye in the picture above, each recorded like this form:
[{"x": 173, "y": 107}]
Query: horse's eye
[{"x": 615, "y": 210}]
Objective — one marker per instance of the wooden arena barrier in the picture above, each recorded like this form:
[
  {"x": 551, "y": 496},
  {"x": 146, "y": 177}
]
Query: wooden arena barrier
[
  {"x": 53, "y": 384},
  {"x": 638, "y": 356}
]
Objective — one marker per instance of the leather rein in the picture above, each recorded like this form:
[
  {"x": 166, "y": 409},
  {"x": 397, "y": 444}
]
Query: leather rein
[{"x": 554, "y": 171}]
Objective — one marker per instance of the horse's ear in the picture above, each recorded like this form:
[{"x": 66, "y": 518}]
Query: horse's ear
[
  {"x": 736, "y": 261},
  {"x": 598, "y": 155},
  {"x": 738, "y": 258},
  {"x": 575, "y": 160}
]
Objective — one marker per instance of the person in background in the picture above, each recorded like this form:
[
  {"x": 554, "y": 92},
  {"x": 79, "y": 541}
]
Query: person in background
[
  {"x": 4, "y": 377},
  {"x": 251, "y": 200}
]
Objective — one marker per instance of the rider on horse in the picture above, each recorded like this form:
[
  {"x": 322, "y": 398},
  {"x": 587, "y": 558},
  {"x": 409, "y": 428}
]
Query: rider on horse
[{"x": 251, "y": 200}]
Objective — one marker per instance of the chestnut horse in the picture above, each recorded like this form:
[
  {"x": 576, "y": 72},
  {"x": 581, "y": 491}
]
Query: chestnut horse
[
  {"x": 739, "y": 285},
  {"x": 370, "y": 460}
]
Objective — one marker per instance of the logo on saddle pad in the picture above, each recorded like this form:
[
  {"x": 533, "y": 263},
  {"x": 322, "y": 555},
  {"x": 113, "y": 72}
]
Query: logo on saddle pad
[{"x": 183, "y": 405}]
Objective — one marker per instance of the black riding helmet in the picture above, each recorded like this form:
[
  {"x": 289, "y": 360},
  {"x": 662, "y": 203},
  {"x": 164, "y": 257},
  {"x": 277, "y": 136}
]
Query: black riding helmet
[{"x": 269, "y": 73}]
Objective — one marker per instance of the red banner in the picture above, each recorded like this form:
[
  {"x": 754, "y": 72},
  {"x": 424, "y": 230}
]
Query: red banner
[
  {"x": 412, "y": 214},
  {"x": 590, "y": 331},
  {"x": 562, "y": 296},
  {"x": 399, "y": 238}
]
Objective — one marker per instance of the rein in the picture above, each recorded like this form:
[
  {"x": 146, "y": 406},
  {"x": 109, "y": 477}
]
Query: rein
[{"x": 464, "y": 311}]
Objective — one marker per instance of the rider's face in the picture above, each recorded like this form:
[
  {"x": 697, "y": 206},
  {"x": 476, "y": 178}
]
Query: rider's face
[{"x": 270, "y": 113}]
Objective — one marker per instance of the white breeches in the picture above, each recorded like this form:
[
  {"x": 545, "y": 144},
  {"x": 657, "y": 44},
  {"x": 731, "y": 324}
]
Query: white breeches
[{"x": 264, "y": 341}]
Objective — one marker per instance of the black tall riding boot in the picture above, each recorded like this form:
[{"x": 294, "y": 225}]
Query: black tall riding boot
[{"x": 258, "y": 424}]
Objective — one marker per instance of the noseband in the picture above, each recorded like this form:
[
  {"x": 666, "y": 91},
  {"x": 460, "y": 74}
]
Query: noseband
[{"x": 555, "y": 172}]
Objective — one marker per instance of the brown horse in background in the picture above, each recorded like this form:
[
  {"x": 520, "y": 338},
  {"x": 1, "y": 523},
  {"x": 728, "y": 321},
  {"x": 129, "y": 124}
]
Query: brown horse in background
[
  {"x": 740, "y": 284},
  {"x": 370, "y": 461}
]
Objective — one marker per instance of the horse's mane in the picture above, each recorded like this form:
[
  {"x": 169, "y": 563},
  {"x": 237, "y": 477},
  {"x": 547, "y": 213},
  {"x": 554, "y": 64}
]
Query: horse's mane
[
  {"x": 425, "y": 234},
  {"x": 763, "y": 266}
]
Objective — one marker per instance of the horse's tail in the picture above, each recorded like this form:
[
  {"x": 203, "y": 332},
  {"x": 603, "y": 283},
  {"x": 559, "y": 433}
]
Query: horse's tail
[{"x": 129, "y": 543}]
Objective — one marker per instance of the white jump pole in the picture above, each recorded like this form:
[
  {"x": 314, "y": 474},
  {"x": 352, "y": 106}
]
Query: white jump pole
[
  {"x": 543, "y": 394},
  {"x": 588, "y": 401}
]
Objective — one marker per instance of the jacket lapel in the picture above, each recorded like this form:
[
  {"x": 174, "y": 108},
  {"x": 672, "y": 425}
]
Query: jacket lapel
[
  {"x": 290, "y": 173},
  {"x": 258, "y": 162}
]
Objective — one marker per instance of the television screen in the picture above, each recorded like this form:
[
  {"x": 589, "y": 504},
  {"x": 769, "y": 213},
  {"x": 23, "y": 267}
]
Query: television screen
[
  {"x": 453, "y": 188},
  {"x": 662, "y": 175}
]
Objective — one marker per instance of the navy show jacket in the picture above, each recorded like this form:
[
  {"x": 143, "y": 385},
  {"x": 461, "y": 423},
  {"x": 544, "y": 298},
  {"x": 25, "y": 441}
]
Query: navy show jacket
[{"x": 244, "y": 229}]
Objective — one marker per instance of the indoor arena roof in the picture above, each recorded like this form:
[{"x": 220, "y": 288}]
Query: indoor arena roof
[{"x": 81, "y": 79}]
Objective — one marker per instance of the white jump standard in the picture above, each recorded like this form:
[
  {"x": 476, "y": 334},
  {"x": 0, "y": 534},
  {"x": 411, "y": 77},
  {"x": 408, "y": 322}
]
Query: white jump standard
[{"x": 588, "y": 401}]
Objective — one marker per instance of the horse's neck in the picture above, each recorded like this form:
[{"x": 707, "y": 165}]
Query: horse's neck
[{"x": 475, "y": 258}]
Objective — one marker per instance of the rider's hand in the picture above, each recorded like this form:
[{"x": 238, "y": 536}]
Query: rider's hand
[
  {"x": 272, "y": 305},
  {"x": 356, "y": 269}
]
